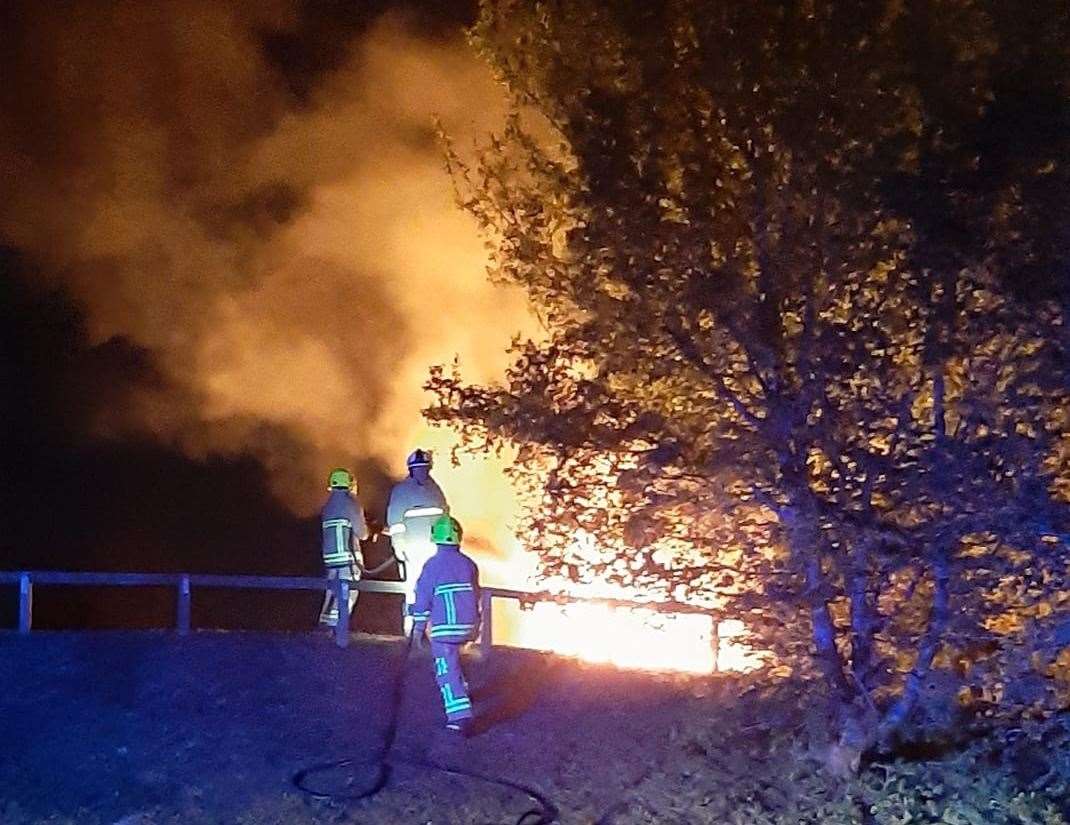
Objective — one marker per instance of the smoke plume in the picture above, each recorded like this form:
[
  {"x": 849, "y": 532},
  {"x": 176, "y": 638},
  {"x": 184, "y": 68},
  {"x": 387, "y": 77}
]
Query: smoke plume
[{"x": 282, "y": 239}]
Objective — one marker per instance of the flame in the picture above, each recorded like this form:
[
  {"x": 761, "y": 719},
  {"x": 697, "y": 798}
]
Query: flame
[
  {"x": 618, "y": 636},
  {"x": 481, "y": 497},
  {"x": 629, "y": 638},
  {"x": 626, "y": 637}
]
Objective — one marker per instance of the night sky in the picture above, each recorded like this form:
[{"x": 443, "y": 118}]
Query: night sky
[{"x": 147, "y": 199}]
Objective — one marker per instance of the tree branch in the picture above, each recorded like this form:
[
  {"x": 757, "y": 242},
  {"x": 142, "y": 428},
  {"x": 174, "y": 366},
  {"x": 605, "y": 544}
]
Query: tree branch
[{"x": 688, "y": 349}]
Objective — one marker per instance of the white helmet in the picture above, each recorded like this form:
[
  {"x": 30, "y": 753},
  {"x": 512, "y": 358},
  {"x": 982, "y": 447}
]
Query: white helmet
[{"x": 419, "y": 458}]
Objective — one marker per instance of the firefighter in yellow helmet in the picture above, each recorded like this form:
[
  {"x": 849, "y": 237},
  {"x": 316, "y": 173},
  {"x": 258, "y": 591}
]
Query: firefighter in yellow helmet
[
  {"x": 343, "y": 528},
  {"x": 415, "y": 504}
]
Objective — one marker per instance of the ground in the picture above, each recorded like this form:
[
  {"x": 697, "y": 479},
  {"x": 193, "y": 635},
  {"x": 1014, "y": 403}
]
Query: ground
[
  {"x": 100, "y": 726},
  {"x": 147, "y": 728}
]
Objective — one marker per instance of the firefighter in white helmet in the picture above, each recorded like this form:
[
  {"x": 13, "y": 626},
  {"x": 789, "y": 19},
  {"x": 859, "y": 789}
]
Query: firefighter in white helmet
[
  {"x": 343, "y": 529},
  {"x": 415, "y": 504}
]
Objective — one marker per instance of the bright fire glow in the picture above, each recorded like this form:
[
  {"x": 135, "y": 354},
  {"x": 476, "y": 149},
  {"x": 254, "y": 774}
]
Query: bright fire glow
[
  {"x": 481, "y": 497},
  {"x": 627, "y": 638}
]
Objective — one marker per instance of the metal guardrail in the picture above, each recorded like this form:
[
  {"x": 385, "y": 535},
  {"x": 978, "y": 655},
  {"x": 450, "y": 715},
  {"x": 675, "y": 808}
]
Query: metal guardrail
[{"x": 185, "y": 582}]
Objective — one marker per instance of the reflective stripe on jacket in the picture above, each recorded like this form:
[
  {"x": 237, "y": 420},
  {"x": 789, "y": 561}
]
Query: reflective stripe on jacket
[
  {"x": 447, "y": 595},
  {"x": 337, "y": 542},
  {"x": 413, "y": 507},
  {"x": 343, "y": 527}
]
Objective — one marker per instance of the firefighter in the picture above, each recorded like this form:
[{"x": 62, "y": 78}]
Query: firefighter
[
  {"x": 343, "y": 527},
  {"x": 447, "y": 599},
  {"x": 414, "y": 506}
]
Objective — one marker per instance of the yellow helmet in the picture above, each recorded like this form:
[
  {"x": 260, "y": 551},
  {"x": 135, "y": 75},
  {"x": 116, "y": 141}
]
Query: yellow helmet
[{"x": 341, "y": 479}]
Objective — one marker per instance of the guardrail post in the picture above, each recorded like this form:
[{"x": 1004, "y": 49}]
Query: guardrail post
[
  {"x": 341, "y": 627},
  {"x": 182, "y": 609},
  {"x": 715, "y": 642},
  {"x": 486, "y": 633},
  {"x": 25, "y": 603}
]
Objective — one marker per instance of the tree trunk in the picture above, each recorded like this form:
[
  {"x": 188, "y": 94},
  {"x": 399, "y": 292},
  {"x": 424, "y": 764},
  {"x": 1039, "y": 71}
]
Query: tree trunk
[
  {"x": 804, "y": 539},
  {"x": 861, "y": 619},
  {"x": 822, "y": 629},
  {"x": 901, "y": 709}
]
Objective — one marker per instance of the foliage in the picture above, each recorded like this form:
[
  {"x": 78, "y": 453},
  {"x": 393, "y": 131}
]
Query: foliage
[
  {"x": 758, "y": 775},
  {"x": 796, "y": 364}
]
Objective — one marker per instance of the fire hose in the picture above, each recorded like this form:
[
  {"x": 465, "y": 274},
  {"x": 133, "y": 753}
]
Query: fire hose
[
  {"x": 379, "y": 568},
  {"x": 391, "y": 559},
  {"x": 544, "y": 812}
]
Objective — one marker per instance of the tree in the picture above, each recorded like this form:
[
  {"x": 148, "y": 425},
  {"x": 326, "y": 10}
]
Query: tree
[{"x": 783, "y": 374}]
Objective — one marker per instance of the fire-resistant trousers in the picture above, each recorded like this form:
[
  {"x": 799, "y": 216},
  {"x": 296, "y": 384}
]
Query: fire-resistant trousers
[
  {"x": 451, "y": 681},
  {"x": 329, "y": 611}
]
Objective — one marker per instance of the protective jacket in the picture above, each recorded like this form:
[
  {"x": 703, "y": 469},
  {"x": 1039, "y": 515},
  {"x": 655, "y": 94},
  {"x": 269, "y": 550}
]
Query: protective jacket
[
  {"x": 412, "y": 509},
  {"x": 447, "y": 596},
  {"x": 343, "y": 524}
]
